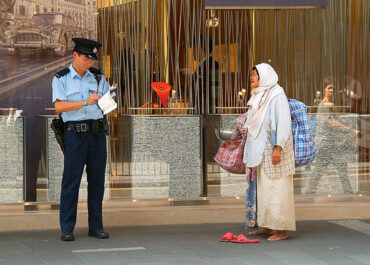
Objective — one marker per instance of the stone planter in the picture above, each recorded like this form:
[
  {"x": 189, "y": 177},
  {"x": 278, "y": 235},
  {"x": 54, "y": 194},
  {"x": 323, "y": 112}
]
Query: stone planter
[
  {"x": 12, "y": 159},
  {"x": 159, "y": 157}
]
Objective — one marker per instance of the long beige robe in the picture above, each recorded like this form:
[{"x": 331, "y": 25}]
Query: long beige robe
[{"x": 275, "y": 202}]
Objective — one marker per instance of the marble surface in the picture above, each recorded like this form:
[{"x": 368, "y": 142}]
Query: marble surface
[
  {"x": 364, "y": 125},
  {"x": 160, "y": 156},
  {"x": 11, "y": 159},
  {"x": 335, "y": 169}
]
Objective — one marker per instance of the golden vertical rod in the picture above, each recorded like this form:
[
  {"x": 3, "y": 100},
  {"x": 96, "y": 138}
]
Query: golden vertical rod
[
  {"x": 253, "y": 36},
  {"x": 165, "y": 36}
]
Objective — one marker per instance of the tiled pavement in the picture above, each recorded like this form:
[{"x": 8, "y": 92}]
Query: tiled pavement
[{"x": 314, "y": 242}]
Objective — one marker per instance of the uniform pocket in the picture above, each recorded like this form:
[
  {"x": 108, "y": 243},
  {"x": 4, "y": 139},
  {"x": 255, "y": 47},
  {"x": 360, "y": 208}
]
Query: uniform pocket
[
  {"x": 93, "y": 87},
  {"x": 73, "y": 95}
]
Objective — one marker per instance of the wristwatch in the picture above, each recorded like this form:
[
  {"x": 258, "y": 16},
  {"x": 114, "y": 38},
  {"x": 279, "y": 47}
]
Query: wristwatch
[{"x": 84, "y": 102}]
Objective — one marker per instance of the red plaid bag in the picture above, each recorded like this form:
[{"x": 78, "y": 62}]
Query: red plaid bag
[{"x": 230, "y": 154}]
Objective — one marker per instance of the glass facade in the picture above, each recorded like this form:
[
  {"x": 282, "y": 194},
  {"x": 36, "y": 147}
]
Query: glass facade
[
  {"x": 162, "y": 140},
  {"x": 320, "y": 54}
]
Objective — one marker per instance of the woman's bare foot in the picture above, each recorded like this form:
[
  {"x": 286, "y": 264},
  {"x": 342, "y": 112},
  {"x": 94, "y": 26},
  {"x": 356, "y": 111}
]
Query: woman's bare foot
[
  {"x": 262, "y": 230},
  {"x": 278, "y": 235}
]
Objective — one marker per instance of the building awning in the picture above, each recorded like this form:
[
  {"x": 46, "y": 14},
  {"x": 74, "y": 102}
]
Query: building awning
[{"x": 264, "y": 4}]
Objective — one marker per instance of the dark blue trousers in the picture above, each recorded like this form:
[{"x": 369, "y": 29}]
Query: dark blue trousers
[{"x": 82, "y": 149}]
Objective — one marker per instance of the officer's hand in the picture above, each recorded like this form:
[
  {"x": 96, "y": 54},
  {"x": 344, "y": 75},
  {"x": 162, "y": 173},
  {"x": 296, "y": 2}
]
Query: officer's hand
[
  {"x": 276, "y": 153},
  {"x": 92, "y": 99}
]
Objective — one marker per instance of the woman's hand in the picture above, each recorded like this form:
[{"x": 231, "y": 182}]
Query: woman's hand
[
  {"x": 276, "y": 153},
  {"x": 243, "y": 131}
]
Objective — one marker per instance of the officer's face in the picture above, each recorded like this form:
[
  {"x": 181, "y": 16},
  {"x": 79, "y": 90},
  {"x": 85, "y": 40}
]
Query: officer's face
[{"x": 81, "y": 62}]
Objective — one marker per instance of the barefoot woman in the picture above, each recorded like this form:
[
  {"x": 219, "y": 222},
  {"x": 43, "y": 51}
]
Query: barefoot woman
[{"x": 269, "y": 150}]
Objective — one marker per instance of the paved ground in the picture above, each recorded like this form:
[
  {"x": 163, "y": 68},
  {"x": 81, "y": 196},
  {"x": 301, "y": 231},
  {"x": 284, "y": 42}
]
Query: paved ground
[{"x": 314, "y": 242}]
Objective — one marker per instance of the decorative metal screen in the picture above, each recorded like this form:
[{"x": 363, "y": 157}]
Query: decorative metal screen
[
  {"x": 321, "y": 56},
  {"x": 206, "y": 55}
]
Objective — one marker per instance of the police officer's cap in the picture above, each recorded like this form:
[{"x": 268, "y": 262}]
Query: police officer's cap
[{"x": 86, "y": 47}]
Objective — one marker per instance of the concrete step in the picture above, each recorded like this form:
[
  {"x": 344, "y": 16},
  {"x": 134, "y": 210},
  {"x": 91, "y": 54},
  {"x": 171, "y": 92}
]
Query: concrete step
[{"x": 33, "y": 216}]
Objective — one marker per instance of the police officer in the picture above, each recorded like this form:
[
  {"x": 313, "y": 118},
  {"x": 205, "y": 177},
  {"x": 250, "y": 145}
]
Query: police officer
[{"x": 76, "y": 91}]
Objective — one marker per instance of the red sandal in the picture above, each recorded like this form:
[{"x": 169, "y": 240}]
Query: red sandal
[
  {"x": 242, "y": 239},
  {"x": 228, "y": 237}
]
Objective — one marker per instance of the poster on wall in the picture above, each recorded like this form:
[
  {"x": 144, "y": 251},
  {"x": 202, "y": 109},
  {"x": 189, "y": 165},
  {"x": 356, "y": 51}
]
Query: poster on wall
[
  {"x": 36, "y": 36},
  {"x": 35, "y": 43}
]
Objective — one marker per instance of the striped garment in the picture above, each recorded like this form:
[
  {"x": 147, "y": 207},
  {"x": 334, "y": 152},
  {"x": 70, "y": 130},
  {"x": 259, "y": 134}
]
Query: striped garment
[{"x": 251, "y": 199}]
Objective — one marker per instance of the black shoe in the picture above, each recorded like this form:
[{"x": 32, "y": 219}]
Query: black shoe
[
  {"x": 67, "y": 236},
  {"x": 98, "y": 233}
]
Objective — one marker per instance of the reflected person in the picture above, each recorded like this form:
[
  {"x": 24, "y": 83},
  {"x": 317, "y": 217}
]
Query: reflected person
[
  {"x": 332, "y": 141},
  {"x": 139, "y": 66},
  {"x": 207, "y": 74},
  {"x": 76, "y": 90},
  {"x": 352, "y": 94}
]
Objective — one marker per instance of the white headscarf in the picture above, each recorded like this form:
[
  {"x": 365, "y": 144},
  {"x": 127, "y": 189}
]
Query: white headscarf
[{"x": 261, "y": 96}]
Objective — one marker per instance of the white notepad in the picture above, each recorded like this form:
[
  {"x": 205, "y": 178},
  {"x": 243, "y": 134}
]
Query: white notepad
[{"x": 106, "y": 102}]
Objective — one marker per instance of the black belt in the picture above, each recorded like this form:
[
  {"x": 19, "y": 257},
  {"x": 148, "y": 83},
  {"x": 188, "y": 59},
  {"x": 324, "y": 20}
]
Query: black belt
[
  {"x": 85, "y": 126},
  {"x": 78, "y": 127}
]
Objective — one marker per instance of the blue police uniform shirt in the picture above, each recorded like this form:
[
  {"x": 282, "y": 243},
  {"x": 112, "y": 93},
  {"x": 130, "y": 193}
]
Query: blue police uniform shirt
[{"x": 72, "y": 87}]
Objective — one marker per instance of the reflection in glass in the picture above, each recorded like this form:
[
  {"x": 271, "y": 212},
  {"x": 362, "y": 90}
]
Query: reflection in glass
[{"x": 206, "y": 57}]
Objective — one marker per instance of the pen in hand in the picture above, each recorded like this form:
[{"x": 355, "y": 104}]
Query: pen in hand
[{"x": 95, "y": 95}]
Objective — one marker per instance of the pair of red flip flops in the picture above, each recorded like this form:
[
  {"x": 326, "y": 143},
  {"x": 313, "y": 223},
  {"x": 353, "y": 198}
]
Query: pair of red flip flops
[{"x": 229, "y": 237}]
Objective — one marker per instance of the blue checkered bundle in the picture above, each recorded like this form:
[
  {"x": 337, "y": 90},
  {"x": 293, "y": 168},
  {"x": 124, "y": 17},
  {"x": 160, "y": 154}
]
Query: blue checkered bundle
[{"x": 303, "y": 144}]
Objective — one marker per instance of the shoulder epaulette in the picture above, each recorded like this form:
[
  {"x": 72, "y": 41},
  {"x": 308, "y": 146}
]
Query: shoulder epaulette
[
  {"x": 95, "y": 71},
  {"x": 62, "y": 72}
]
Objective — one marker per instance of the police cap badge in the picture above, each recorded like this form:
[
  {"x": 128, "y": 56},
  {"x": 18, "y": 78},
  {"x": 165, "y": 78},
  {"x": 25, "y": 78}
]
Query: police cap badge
[{"x": 86, "y": 47}]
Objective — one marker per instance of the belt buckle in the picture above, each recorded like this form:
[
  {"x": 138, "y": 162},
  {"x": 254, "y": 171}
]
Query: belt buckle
[{"x": 83, "y": 127}]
